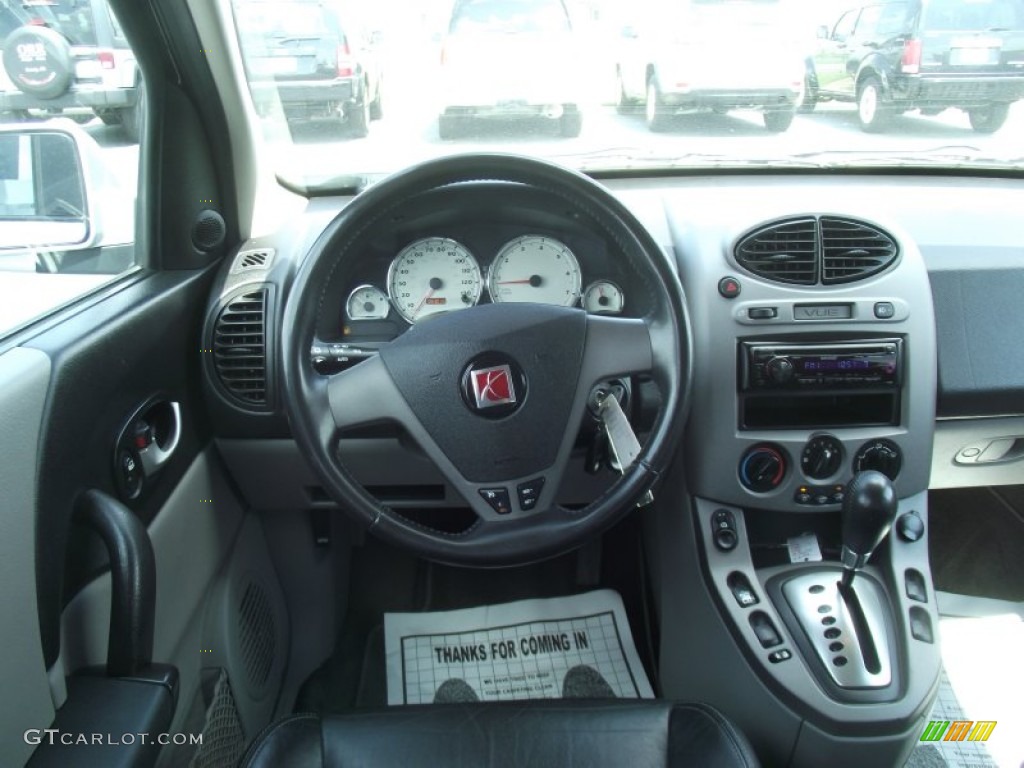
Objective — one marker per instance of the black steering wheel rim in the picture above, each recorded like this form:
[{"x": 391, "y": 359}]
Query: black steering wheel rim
[{"x": 521, "y": 539}]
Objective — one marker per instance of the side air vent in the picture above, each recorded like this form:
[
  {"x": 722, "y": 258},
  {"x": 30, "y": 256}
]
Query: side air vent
[
  {"x": 852, "y": 250},
  {"x": 246, "y": 261},
  {"x": 786, "y": 252},
  {"x": 240, "y": 347}
]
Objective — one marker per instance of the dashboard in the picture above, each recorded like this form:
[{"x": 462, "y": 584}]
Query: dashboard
[{"x": 882, "y": 357}]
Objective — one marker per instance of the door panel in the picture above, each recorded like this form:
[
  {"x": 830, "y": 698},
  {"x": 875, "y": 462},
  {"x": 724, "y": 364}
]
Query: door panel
[{"x": 26, "y": 702}]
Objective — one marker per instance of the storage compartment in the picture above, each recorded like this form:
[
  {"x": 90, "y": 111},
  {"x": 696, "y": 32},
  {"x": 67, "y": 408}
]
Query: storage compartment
[{"x": 819, "y": 411}]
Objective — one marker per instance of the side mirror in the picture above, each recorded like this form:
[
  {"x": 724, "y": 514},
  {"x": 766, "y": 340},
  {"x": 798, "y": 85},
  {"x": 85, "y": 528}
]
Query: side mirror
[
  {"x": 823, "y": 32},
  {"x": 43, "y": 198},
  {"x": 629, "y": 33},
  {"x": 376, "y": 37},
  {"x": 54, "y": 189}
]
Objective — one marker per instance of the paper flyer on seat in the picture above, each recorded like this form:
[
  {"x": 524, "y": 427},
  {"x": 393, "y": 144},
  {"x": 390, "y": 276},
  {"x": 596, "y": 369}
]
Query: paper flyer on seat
[{"x": 565, "y": 647}]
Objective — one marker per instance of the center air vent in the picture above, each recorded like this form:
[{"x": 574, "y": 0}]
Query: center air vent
[
  {"x": 852, "y": 250},
  {"x": 240, "y": 347},
  {"x": 786, "y": 252},
  {"x": 829, "y": 250}
]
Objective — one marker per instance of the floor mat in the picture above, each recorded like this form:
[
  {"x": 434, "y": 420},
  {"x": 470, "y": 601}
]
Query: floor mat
[
  {"x": 564, "y": 647},
  {"x": 980, "y": 697},
  {"x": 977, "y": 540}
]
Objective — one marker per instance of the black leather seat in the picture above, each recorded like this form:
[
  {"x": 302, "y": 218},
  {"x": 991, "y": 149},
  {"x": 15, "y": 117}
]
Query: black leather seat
[{"x": 540, "y": 733}]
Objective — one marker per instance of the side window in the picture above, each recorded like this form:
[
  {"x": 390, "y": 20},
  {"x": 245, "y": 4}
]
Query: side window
[
  {"x": 68, "y": 157},
  {"x": 892, "y": 21},
  {"x": 844, "y": 27},
  {"x": 868, "y": 22}
]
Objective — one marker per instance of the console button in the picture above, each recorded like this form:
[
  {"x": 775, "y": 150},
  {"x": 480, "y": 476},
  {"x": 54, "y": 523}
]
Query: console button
[
  {"x": 741, "y": 590},
  {"x": 723, "y": 530},
  {"x": 909, "y": 526},
  {"x": 914, "y": 582},
  {"x": 780, "y": 655},
  {"x": 921, "y": 625},
  {"x": 884, "y": 310},
  {"x": 498, "y": 499},
  {"x": 762, "y": 313},
  {"x": 729, "y": 287},
  {"x": 529, "y": 493},
  {"x": 765, "y": 630}
]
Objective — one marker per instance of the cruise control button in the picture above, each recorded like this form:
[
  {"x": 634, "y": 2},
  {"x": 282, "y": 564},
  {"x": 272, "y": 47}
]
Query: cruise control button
[
  {"x": 529, "y": 493},
  {"x": 498, "y": 499}
]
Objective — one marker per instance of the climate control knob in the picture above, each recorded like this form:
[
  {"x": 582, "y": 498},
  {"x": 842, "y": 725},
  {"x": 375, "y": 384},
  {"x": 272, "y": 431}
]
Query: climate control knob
[
  {"x": 779, "y": 369},
  {"x": 822, "y": 457},
  {"x": 880, "y": 455},
  {"x": 763, "y": 468}
]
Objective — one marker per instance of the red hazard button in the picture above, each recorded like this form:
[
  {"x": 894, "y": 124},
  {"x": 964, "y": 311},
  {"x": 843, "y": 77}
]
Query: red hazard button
[{"x": 729, "y": 287}]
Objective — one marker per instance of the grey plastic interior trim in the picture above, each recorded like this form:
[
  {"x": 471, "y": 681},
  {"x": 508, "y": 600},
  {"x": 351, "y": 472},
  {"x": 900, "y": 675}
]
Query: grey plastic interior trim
[
  {"x": 715, "y": 442},
  {"x": 923, "y": 659},
  {"x": 27, "y": 701},
  {"x": 953, "y": 467},
  {"x": 808, "y": 609},
  {"x": 188, "y": 530}
]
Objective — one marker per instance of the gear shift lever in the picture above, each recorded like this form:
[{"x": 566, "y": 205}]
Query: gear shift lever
[{"x": 869, "y": 508}]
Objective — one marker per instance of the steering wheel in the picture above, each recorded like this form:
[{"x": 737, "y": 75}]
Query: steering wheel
[{"x": 493, "y": 394}]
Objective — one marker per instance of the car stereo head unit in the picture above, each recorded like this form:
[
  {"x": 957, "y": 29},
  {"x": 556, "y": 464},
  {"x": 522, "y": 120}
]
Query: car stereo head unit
[{"x": 809, "y": 367}]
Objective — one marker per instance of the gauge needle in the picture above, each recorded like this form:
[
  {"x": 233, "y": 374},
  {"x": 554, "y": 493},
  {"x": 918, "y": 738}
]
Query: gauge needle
[
  {"x": 534, "y": 280},
  {"x": 427, "y": 295}
]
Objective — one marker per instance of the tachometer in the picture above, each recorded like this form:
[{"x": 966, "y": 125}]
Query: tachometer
[
  {"x": 433, "y": 275},
  {"x": 535, "y": 268}
]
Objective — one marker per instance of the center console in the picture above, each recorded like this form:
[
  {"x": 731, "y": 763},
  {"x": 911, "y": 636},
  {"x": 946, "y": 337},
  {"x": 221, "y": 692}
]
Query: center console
[{"x": 814, "y": 379}]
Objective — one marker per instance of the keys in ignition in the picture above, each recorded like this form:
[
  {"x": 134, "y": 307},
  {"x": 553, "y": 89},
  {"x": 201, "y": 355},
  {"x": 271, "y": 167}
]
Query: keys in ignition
[{"x": 621, "y": 439}]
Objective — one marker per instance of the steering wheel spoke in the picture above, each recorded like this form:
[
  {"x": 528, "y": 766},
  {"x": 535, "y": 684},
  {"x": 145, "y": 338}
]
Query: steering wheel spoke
[{"x": 615, "y": 347}]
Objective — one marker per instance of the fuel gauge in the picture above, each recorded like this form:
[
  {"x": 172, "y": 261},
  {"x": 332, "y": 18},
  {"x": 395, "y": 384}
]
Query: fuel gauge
[
  {"x": 603, "y": 297},
  {"x": 367, "y": 303}
]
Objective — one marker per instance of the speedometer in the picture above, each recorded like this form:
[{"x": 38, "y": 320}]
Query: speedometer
[
  {"x": 432, "y": 275},
  {"x": 535, "y": 268}
]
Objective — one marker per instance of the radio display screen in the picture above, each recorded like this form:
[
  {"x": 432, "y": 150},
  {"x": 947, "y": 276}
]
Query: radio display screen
[{"x": 815, "y": 364}]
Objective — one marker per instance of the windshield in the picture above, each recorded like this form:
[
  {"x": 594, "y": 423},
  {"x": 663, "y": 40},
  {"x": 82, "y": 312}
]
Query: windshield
[{"x": 346, "y": 90}]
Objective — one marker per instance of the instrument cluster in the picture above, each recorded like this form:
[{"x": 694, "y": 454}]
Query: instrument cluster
[{"x": 439, "y": 274}]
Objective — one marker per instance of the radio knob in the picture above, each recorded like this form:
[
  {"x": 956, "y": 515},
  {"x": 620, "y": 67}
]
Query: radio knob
[
  {"x": 880, "y": 455},
  {"x": 779, "y": 369}
]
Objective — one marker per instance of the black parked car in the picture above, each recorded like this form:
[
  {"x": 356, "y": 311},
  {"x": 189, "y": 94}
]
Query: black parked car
[
  {"x": 317, "y": 60},
  {"x": 68, "y": 57},
  {"x": 922, "y": 54}
]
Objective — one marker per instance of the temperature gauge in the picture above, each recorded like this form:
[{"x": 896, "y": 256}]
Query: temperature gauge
[
  {"x": 603, "y": 297},
  {"x": 367, "y": 303}
]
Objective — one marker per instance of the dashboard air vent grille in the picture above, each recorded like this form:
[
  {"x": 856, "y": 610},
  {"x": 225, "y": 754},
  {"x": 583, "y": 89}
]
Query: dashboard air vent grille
[
  {"x": 239, "y": 347},
  {"x": 246, "y": 261},
  {"x": 852, "y": 250},
  {"x": 786, "y": 252}
]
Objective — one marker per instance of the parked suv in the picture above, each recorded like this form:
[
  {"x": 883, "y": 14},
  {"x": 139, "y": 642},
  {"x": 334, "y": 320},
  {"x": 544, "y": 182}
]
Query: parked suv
[
  {"x": 68, "y": 57},
  {"x": 922, "y": 54},
  {"x": 315, "y": 57},
  {"x": 711, "y": 55},
  {"x": 510, "y": 59}
]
